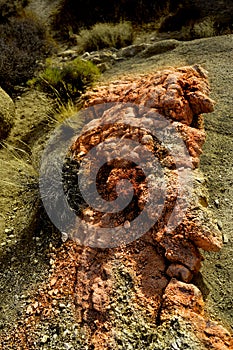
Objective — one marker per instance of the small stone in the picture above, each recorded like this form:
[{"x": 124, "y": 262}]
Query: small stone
[
  {"x": 86, "y": 55},
  {"x": 53, "y": 281},
  {"x": 219, "y": 266},
  {"x": 216, "y": 202},
  {"x": 126, "y": 224},
  {"x": 64, "y": 237},
  {"x": 219, "y": 223},
  {"x": 225, "y": 238},
  {"x": 175, "y": 346},
  {"x": 9, "y": 230},
  {"x": 62, "y": 306},
  {"x": 29, "y": 310},
  {"x": 44, "y": 339},
  {"x": 146, "y": 139},
  {"x": 180, "y": 272},
  {"x": 66, "y": 332}
]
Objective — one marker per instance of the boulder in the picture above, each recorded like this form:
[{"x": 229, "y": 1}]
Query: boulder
[
  {"x": 159, "y": 47},
  {"x": 132, "y": 50},
  {"x": 7, "y": 114}
]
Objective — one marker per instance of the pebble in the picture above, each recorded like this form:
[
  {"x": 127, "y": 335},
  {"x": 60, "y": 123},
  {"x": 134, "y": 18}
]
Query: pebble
[
  {"x": 9, "y": 230},
  {"x": 219, "y": 266},
  {"x": 66, "y": 332},
  {"x": 44, "y": 339},
  {"x": 174, "y": 346},
  {"x": 216, "y": 202},
  {"x": 126, "y": 224},
  {"x": 62, "y": 306},
  {"x": 219, "y": 223},
  {"x": 64, "y": 237},
  {"x": 225, "y": 238}
]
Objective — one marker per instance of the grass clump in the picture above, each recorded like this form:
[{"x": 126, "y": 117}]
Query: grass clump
[
  {"x": 64, "y": 115},
  {"x": 105, "y": 35},
  {"x": 68, "y": 81},
  {"x": 201, "y": 29},
  {"x": 18, "y": 174},
  {"x": 23, "y": 43},
  {"x": 205, "y": 28}
]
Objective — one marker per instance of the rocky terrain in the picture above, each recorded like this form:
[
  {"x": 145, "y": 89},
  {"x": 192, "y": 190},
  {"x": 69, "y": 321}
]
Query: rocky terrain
[{"x": 152, "y": 293}]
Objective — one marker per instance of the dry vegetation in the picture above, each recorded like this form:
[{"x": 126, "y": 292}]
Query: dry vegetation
[{"x": 105, "y": 35}]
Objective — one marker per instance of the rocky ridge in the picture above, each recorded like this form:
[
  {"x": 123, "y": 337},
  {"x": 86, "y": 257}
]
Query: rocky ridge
[{"x": 91, "y": 277}]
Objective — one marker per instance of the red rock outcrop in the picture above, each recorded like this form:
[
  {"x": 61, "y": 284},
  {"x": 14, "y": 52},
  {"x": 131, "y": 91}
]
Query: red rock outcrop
[
  {"x": 180, "y": 95},
  {"x": 185, "y": 300},
  {"x": 156, "y": 263}
]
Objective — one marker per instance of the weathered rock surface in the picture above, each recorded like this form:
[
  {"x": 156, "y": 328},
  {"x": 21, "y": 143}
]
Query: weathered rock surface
[
  {"x": 180, "y": 94},
  {"x": 132, "y": 50},
  {"x": 185, "y": 301},
  {"x": 120, "y": 295},
  {"x": 159, "y": 47},
  {"x": 7, "y": 114}
]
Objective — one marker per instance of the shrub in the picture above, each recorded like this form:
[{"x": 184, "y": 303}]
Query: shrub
[
  {"x": 61, "y": 114},
  {"x": 201, "y": 29},
  {"x": 11, "y": 8},
  {"x": 205, "y": 28},
  {"x": 23, "y": 43},
  {"x": 68, "y": 81},
  {"x": 104, "y": 35}
]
